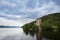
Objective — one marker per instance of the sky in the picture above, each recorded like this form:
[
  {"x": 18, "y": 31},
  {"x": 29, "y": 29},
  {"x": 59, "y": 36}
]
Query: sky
[{"x": 20, "y": 12}]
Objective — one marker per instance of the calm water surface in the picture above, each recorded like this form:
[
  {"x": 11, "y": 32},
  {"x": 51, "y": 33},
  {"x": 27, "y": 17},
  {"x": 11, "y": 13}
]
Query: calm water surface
[{"x": 20, "y": 34}]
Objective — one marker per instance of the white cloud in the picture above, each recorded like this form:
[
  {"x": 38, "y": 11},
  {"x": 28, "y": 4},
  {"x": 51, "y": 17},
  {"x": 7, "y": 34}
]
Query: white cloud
[
  {"x": 4, "y": 2},
  {"x": 13, "y": 16},
  {"x": 9, "y": 22},
  {"x": 57, "y": 9},
  {"x": 42, "y": 10},
  {"x": 9, "y": 15},
  {"x": 21, "y": 22},
  {"x": 45, "y": 9}
]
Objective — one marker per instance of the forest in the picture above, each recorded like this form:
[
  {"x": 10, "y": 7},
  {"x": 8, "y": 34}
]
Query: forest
[{"x": 49, "y": 21}]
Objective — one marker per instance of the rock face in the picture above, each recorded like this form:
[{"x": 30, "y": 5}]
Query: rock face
[{"x": 38, "y": 22}]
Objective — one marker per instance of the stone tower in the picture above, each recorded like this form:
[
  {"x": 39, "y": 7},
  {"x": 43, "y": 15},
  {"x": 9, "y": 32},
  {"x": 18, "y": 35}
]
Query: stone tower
[{"x": 38, "y": 22}]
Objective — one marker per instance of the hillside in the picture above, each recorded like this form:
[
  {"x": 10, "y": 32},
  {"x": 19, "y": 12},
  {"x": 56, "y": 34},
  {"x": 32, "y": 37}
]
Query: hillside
[
  {"x": 51, "y": 21},
  {"x": 48, "y": 21}
]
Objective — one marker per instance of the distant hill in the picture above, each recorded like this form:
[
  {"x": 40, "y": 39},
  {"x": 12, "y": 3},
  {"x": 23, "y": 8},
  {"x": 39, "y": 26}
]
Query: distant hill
[
  {"x": 9, "y": 27},
  {"x": 48, "y": 21}
]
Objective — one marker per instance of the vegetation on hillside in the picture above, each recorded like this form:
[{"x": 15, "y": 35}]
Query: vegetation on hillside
[
  {"x": 48, "y": 22},
  {"x": 51, "y": 21},
  {"x": 30, "y": 26}
]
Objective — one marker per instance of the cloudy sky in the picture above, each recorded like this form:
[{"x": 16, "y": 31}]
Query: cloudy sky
[{"x": 19, "y": 12}]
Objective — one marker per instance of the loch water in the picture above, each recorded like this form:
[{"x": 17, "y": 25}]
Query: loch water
[{"x": 20, "y": 34}]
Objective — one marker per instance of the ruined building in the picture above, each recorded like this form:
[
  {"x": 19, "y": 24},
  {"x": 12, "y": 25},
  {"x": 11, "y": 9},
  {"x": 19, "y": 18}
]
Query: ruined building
[{"x": 38, "y": 22}]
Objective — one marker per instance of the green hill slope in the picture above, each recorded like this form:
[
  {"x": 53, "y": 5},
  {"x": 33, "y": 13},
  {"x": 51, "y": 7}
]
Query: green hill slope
[
  {"x": 48, "y": 21},
  {"x": 51, "y": 21}
]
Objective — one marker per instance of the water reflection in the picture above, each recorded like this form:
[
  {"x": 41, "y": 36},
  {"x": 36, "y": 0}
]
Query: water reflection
[
  {"x": 32, "y": 33},
  {"x": 38, "y": 35},
  {"x": 29, "y": 32},
  {"x": 53, "y": 34},
  {"x": 44, "y": 34}
]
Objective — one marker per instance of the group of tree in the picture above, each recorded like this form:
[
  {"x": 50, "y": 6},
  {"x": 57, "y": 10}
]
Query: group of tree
[{"x": 51, "y": 21}]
